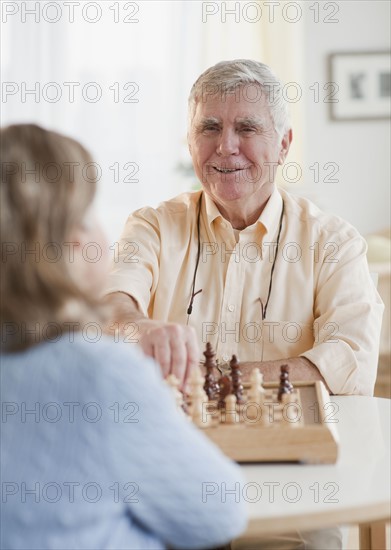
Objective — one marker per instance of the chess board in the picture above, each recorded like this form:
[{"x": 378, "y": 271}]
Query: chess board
[{"x": 302, "y": 429}]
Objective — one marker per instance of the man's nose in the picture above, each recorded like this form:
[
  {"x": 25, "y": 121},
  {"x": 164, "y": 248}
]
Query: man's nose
[{"x": 228, "y": 143}]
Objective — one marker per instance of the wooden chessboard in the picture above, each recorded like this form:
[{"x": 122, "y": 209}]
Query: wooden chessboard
[{"x": 308, "y": 437}]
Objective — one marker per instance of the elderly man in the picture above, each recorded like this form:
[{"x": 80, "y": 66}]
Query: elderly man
[
  {"x": 250, "y": 268},
  {"x": 242, "y": 264}
]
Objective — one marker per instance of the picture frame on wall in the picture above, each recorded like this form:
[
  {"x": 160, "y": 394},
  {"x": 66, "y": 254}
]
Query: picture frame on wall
[{"x": 361, "y": 85}]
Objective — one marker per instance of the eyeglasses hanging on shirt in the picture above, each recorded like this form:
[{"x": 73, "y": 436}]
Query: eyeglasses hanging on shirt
[{"x": 193, "y": 293}]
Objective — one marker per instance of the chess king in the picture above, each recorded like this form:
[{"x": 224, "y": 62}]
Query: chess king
[{"x": 259, "y": 273}]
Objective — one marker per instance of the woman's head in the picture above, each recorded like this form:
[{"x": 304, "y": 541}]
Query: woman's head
[{"x": 50, "y": 272}]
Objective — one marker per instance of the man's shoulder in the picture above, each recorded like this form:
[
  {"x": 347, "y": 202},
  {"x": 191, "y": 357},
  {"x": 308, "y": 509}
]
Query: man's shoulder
[
  {"x": 183, "y": 204},
  {"x": 308, "y": 213}
]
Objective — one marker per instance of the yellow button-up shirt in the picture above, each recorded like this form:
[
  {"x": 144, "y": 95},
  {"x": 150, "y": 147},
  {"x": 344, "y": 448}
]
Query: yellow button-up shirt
[{"x": 323, "y": 304}]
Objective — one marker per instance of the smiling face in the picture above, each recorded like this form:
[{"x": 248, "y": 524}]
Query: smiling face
[{"x": 235, "y": 149}]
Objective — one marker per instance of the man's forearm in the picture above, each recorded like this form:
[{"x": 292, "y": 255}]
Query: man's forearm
[
  {"x": 172, "y": 345},
  {"x": 126, "y": 312},
  {"x": 300, "y": 369},
  {"x": 127, "y": 315},
  {"x": 125, "y": 309}
]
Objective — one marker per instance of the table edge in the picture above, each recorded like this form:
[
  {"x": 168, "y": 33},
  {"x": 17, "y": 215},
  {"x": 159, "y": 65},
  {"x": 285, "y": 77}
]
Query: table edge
[{"x": 318, "y": 520}]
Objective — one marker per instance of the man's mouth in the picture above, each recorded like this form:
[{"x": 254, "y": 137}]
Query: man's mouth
[{"x": 227, "y": 170}]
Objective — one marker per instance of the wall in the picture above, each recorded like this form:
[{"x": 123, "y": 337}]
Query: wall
[
  {"x": 163, "y": 53},
  {"x": 360, "y": 149}
]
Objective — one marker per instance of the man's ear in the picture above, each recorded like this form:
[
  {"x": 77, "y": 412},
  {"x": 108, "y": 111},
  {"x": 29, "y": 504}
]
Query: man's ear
[
  {"x": 188, "y": 142},
  {"x": 285, "y": 145}
]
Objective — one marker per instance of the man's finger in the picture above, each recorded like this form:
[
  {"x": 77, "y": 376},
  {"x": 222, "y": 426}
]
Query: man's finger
[
  {"x": 193, "y": 354},
  {"x": 162, "y": 353},
  {"x": 179, "y": 358},
  {"x": 146, "y": 346}
]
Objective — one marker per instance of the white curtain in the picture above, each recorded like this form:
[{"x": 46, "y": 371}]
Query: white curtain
[{"x": 130, "y": 73}]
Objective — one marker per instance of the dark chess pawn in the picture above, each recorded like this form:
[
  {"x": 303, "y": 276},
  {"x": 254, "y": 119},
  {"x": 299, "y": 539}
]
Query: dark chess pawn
[
  {"x": 211, "y": 386},
  {"x": 236, "y": 376},
  {"x": 285, "y": 385}
]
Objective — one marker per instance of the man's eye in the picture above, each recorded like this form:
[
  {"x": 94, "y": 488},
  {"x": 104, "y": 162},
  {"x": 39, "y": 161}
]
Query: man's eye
[
  {"x": 248, "y": 130},
  {"x": 210, "y": 128}
]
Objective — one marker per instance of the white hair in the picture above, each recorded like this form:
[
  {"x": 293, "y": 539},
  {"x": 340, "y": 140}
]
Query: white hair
[{"x": 228, "y": 76}]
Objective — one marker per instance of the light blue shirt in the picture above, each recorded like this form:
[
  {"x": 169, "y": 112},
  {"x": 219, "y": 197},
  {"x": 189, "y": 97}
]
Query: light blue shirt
[{"x": 95, "y": 455}]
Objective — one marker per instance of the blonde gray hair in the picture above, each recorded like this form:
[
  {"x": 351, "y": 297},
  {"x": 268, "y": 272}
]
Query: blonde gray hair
[
  {"x": 44, "y": 195},
  {"x": 227, "y": 76}
]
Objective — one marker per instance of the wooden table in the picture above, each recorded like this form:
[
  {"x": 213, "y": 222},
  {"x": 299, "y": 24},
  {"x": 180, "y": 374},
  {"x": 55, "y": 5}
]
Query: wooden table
[{"x": 286, "y": 497}]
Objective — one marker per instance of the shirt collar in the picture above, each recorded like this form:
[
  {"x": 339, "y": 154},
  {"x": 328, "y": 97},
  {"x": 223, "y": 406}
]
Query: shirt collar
[
  {"x": 269, "y": 217},
  {"x": 212, "y": 212}
]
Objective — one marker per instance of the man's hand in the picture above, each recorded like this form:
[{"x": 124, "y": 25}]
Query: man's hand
[{"x": 173, "y": 346}]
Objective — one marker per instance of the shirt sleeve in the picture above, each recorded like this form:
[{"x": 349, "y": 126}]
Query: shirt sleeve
[
  {"x": 188, "y": 493},
  {"x": 135, "y": 266},
  {"x": 348, "y": 312}
]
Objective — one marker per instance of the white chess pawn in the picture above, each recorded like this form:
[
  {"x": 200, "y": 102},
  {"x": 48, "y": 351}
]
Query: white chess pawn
[
  {"x": 256, "y": 395},
  {"x": 291, "y": 411},
  {"x": 231, "y": 416},
  {"x": 199, "y": 400},
  {"x": 256, "y": 381},
  {"x": 173, "y": 382}
]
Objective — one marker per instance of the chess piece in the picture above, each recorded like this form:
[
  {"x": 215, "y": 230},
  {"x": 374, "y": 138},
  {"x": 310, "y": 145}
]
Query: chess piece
[
  {"x": 225, "y": 388},
  {"x": 211, "y": 386},
  {"x": 230, "y": 415},
  {"x": 256, "y": 381},
  {"x": 291, "y": 412},
  {"x": 199, "y": 400},
  {"x": 173, "y": 382},
  {"x": 256, "y": 395},
  {"x": 285, "y": 385},
  {"x": 237, "y": 387}
]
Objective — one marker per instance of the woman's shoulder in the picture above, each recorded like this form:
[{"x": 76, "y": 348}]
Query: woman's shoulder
[
  {"x": 77, "y": 358},
  {"x": 124, "y": 362}
]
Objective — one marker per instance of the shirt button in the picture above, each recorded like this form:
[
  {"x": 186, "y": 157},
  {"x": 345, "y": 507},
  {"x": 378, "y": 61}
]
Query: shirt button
[
  {"x": 231, "y": 307},
  {"x": 225, "y": 357}
]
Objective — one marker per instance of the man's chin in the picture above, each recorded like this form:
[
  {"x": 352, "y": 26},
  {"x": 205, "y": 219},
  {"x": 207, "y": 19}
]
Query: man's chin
[{"x": 229, "y": 194}]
